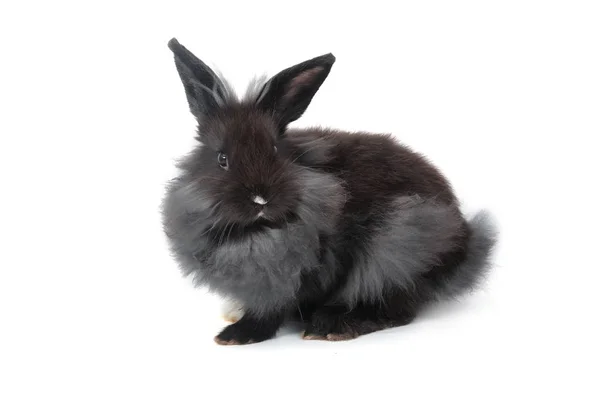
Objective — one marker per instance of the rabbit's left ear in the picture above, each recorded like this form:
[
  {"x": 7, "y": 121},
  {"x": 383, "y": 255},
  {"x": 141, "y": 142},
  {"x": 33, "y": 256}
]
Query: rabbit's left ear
[
  {"x": 204, "y": 90},
  {"x": 288, "y": 94}
]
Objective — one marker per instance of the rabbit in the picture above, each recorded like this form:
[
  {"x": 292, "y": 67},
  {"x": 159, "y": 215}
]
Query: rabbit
[{"x": 347, "y": 233}]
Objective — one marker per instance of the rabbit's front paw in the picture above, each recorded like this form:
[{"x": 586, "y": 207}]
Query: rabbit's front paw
[
  {"x": 232, "y": 311},
  {"x": 249, "y": 330}
]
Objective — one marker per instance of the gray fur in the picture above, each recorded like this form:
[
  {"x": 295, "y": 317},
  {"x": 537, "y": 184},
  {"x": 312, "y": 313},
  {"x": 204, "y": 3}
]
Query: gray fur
[
  {"x": 404, "y": 247},
  {"x": 262, "y": 270},
  {"x": 256, "y": 90},
  {"x": 475, "y": 268}
]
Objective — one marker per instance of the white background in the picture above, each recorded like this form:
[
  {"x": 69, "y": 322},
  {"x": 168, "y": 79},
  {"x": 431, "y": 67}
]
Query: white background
[{"x": 503, "y": 96}]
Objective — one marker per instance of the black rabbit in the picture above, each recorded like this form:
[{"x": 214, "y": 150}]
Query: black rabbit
[{"x": 349, "y": 232}]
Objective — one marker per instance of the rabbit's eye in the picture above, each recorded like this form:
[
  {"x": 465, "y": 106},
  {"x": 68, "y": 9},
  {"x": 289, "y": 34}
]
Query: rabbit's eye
[{"x": 222, "y": 159}]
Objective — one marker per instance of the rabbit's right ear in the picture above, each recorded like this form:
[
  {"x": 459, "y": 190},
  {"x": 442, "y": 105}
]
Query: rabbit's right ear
[
  {"x": 287, "y": 95},
  {"x": 204, "y": 90}
]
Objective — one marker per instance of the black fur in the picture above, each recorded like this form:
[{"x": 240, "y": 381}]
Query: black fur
[
  {"x": 358, "y": 232},
  {"x": 290, "y": 92}
]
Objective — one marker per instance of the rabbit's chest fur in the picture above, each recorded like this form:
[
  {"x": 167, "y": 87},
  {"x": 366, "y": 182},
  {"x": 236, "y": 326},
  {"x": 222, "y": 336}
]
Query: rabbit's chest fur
[{"x": 263, "y": 270}]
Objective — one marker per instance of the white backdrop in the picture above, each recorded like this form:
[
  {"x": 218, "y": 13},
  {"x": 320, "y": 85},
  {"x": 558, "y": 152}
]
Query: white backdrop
[{"x": 503, "y": 96}]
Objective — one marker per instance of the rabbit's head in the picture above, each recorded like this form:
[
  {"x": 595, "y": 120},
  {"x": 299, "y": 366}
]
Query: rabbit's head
[{"x": 242, "y": 170}]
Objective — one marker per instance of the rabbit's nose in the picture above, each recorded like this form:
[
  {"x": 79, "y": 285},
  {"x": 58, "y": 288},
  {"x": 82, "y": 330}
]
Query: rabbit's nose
[{"x": 259, "y": 200}]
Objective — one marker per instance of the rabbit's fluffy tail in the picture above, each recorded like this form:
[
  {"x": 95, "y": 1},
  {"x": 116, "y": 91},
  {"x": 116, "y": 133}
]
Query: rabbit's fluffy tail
[{"x": 471, "y": 273}]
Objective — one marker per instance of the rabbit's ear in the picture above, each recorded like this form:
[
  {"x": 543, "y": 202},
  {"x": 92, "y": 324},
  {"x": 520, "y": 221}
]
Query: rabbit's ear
[
  {"x": 204, "y": 90},
  {"x": 288, "y": 94}
]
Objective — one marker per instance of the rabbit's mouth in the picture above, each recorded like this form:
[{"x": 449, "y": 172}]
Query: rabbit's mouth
[
  {"x": 269, "y": 219},
  {"x": 263, "y": 215}
]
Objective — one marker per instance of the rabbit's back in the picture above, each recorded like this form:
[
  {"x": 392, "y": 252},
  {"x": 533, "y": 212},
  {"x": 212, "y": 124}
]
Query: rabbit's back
[
  {"x": 375, "y": 168},
  {"x": 400, "y": 217}
]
